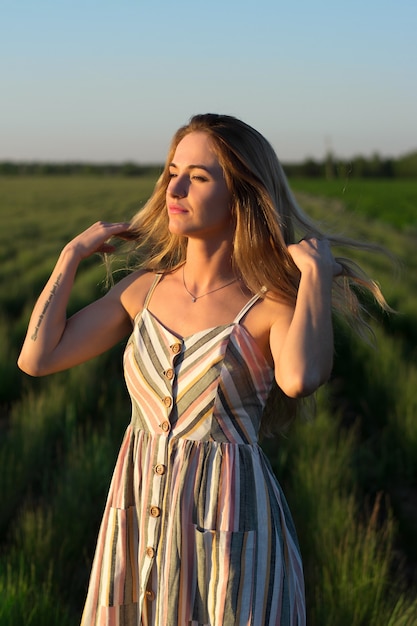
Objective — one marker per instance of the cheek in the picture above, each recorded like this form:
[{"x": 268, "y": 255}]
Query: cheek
[
  {"x": 222, "y": 196},
  {"x": 225, "y": 201}
]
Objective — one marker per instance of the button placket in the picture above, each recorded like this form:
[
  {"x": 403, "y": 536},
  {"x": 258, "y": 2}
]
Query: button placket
[
  {"x": 176, "y": 348},
  {"x": 165, "y": 426},
  {"x": 150, "y": 552},
  {"x": 167, "y": 401},
  {"x": 155, "y": 510},
  {"x": 150, "y": 595},
  {"x": 159, "y": 469},
  {"x": 169, "y": 374}
]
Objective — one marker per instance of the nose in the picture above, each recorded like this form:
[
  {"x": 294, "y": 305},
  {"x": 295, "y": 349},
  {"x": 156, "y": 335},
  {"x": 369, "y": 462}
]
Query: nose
[{"x": 177, "y": 187}]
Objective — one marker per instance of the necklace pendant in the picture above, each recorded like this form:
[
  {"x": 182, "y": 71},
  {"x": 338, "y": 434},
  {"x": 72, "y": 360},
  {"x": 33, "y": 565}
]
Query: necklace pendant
[{"x": 195, "y": 298}]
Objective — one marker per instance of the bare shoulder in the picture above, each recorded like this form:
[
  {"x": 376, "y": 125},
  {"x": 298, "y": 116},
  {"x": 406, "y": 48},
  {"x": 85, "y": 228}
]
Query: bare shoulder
[
  {"x": 271, "y": 311},
  {"x": 281, "y": 317},
  {"x": 269, "y": 317},
  {"x": 132, "y": 290}
]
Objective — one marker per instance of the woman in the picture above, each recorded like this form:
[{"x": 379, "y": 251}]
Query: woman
[{"x": 223, "y": 306}]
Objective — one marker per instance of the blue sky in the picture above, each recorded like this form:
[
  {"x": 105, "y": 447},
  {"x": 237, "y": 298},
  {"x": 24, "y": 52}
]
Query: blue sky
[{"x": 111, "y": 80}]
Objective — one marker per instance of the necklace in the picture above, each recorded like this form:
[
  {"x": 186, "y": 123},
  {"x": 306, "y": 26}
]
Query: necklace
[{"x": 195, "y": 298}]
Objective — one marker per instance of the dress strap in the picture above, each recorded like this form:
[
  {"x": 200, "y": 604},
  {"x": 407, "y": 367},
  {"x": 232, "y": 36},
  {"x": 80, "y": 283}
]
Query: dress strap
[
  {"x": 151, "y": 290},
  {"x": 248, "y": 306}
]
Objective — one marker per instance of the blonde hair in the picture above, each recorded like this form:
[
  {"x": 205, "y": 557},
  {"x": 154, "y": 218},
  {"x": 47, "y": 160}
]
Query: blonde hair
[{"x": 267, "y": 219}]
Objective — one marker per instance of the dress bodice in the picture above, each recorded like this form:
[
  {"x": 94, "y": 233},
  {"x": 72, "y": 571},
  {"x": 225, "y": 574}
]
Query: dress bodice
[{"x": 211, "y": 385}]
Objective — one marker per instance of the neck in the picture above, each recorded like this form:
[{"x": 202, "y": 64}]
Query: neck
[
  {"x": 206, "y": 266},
  {"x": 197, "y": 295}
]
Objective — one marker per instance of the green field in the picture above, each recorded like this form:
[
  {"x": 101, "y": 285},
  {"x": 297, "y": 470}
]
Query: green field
[
  {"x": 392, "y": 200},
  {"x": 350, "y": 475}
]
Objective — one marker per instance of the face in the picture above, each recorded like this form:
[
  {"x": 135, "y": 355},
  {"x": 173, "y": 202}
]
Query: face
[{"x": 197, "y": 196}]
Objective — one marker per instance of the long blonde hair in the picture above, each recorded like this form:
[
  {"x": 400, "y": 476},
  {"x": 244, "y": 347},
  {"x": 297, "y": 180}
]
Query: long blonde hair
[{"x": 267, "y": 219}]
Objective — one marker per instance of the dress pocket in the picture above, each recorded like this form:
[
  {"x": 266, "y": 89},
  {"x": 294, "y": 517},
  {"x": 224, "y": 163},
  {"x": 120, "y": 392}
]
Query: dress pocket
[
  {"x": 223, "y": 577},
  {"x": 119, "y": 568}
]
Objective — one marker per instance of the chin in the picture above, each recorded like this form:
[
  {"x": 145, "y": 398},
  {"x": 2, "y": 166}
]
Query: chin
[{"x": 175, "y": 230}]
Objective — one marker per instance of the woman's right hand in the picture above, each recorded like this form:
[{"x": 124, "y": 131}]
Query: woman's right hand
[
  {"x": 96, "y": 239},
  {"x": 54, "y": 342}
]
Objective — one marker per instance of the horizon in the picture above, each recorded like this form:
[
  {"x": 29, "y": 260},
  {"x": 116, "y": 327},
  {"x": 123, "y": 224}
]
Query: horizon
[{"x": 151, "y": 164}]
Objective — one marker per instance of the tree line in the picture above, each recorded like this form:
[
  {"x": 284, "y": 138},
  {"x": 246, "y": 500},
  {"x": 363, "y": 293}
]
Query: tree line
[
  {"x": 70, "y": 168},
  {"x": 356, "y": 167},
  {"x": 329, "y": 167}
]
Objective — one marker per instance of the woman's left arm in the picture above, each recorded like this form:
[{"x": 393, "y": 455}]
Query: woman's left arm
[{"x": 303, "y": 348}]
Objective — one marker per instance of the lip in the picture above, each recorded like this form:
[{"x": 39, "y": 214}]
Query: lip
[{"x": 176, "y": 209}]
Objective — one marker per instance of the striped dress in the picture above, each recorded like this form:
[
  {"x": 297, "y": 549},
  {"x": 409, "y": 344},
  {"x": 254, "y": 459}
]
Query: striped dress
[{"x": 196, "y": 530}]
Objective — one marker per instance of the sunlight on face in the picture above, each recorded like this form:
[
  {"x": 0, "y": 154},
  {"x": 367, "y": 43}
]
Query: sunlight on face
[{"x": 198, "y": 199}]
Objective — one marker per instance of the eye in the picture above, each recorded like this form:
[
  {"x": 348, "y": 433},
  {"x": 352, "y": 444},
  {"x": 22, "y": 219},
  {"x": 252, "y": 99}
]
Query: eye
[
  {"x": 201, "y": 179},
  {"x": 171, "y": 175}
]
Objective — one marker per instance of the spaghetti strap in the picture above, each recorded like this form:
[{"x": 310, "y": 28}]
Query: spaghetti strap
[
  {"x": 151, "y": 290},
  {"x": 248, "y": 306}
]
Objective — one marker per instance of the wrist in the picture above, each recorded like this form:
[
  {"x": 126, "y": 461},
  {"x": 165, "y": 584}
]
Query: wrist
[
  {"x": 317, "y": 272},
  {"x": 317, "y": 280},
  {"x": 70, "y": 255}
]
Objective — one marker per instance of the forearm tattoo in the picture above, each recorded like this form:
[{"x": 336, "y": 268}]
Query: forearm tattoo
[{"x": 45, "y": 307}]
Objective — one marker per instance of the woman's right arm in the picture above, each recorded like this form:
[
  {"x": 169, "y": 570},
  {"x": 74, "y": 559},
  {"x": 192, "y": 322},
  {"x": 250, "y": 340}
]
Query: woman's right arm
[{"x": 55, "y": 343}]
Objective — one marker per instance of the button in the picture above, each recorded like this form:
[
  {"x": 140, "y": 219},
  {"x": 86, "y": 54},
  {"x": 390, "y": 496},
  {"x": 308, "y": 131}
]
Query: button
[
  {"x": 176, "y": 348},
  {"x": 166, "y": 426},
  {"x": 155, "y": 511},
  {"x": 159, "y": 469},
  {"x": 150, "y": 552},
  {"x": 169, "y": 374},
  {"x": 150, "y": 595},
  {"x": 167, "y": 401}
]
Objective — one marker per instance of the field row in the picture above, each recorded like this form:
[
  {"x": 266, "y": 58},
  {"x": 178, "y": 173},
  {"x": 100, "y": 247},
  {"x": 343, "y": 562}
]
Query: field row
[{"x": 350, "y": 474}]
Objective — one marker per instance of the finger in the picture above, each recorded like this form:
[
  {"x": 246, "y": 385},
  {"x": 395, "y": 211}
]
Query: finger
[
  {"x": 116, "y": 227},
  {"x": 121, "y": 230},
  {"x": 128, "y": 235},
  {"x": 122, "y": 225},
  {"x": 106, "y": 248},
  {"x": 312, "y": 244}
]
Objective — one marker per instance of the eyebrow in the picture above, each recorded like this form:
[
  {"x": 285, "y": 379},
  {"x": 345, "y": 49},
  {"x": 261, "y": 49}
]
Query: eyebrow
[{"x": 194, "y": 166}]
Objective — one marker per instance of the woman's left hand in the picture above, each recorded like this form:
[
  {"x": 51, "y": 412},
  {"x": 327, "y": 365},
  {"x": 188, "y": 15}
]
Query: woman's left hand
[{"x": 315, "y": 254}]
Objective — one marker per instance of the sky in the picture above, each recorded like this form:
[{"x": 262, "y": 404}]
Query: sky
[{"x": 111, "y": 80}]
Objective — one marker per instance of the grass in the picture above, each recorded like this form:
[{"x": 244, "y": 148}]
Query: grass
[
  {"x": 350, "y": 475},
  {"x": 23, "y": 600},
  {"x": 348, "y": 552},
  {"x": 393, "y": 201}
]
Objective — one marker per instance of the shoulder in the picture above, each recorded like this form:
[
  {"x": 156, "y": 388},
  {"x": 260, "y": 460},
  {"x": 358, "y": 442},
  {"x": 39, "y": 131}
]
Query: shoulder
[
  {"x": 131, "y": 291},
  {"x": 269, "y": 317},
  {"x": 276, "y": 315},
  {"x": 270, "y": 310},
  {"x": 274, "y": 309},
  {"x": 280, "y": 310},
  {"x": 280, "y": 317}
]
